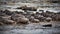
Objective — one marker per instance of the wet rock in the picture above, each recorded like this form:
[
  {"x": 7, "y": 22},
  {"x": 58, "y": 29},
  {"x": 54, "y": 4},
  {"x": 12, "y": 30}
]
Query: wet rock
[
  {"x": 1, "y": 23},
  {"x": 56, "y": 17},
  {"x": 2, "y": 13},
  {"x": 6, "y": 17},
  {"x": 34, "y": 20},
  {"x": 42, "y": 19},
  {"x": 6, "y": 21},
  {"x": 22, "y": 20},
  {"x": 16, "y": 16},
  {"x": 9, "y": 22},
  {"x": 31, "y": 17},
  {"x": 8, "y": 12},
  {"x": 38, "y": 16},
  {"x": 48, "y": 19},
  {"x": 47, "y": 14},
  {"x": 1, "y": 19},
  {"x": 19, "y": 19}
]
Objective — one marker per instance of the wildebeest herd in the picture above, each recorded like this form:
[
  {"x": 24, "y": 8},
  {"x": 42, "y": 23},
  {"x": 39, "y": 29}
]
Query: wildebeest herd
[{"x": 14, "y": 17}]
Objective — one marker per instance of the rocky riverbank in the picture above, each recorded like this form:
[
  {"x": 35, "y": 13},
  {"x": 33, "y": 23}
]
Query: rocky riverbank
[
  {"x": 25, "y": 22},
  {"x": 16, "y": 17}
]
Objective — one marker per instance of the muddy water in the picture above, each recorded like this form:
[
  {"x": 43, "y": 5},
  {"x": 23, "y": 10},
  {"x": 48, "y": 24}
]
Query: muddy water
[{"x": 29, "y": 29}]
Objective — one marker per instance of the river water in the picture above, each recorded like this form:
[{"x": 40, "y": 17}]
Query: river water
[{"x": 29, "y": 29}]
